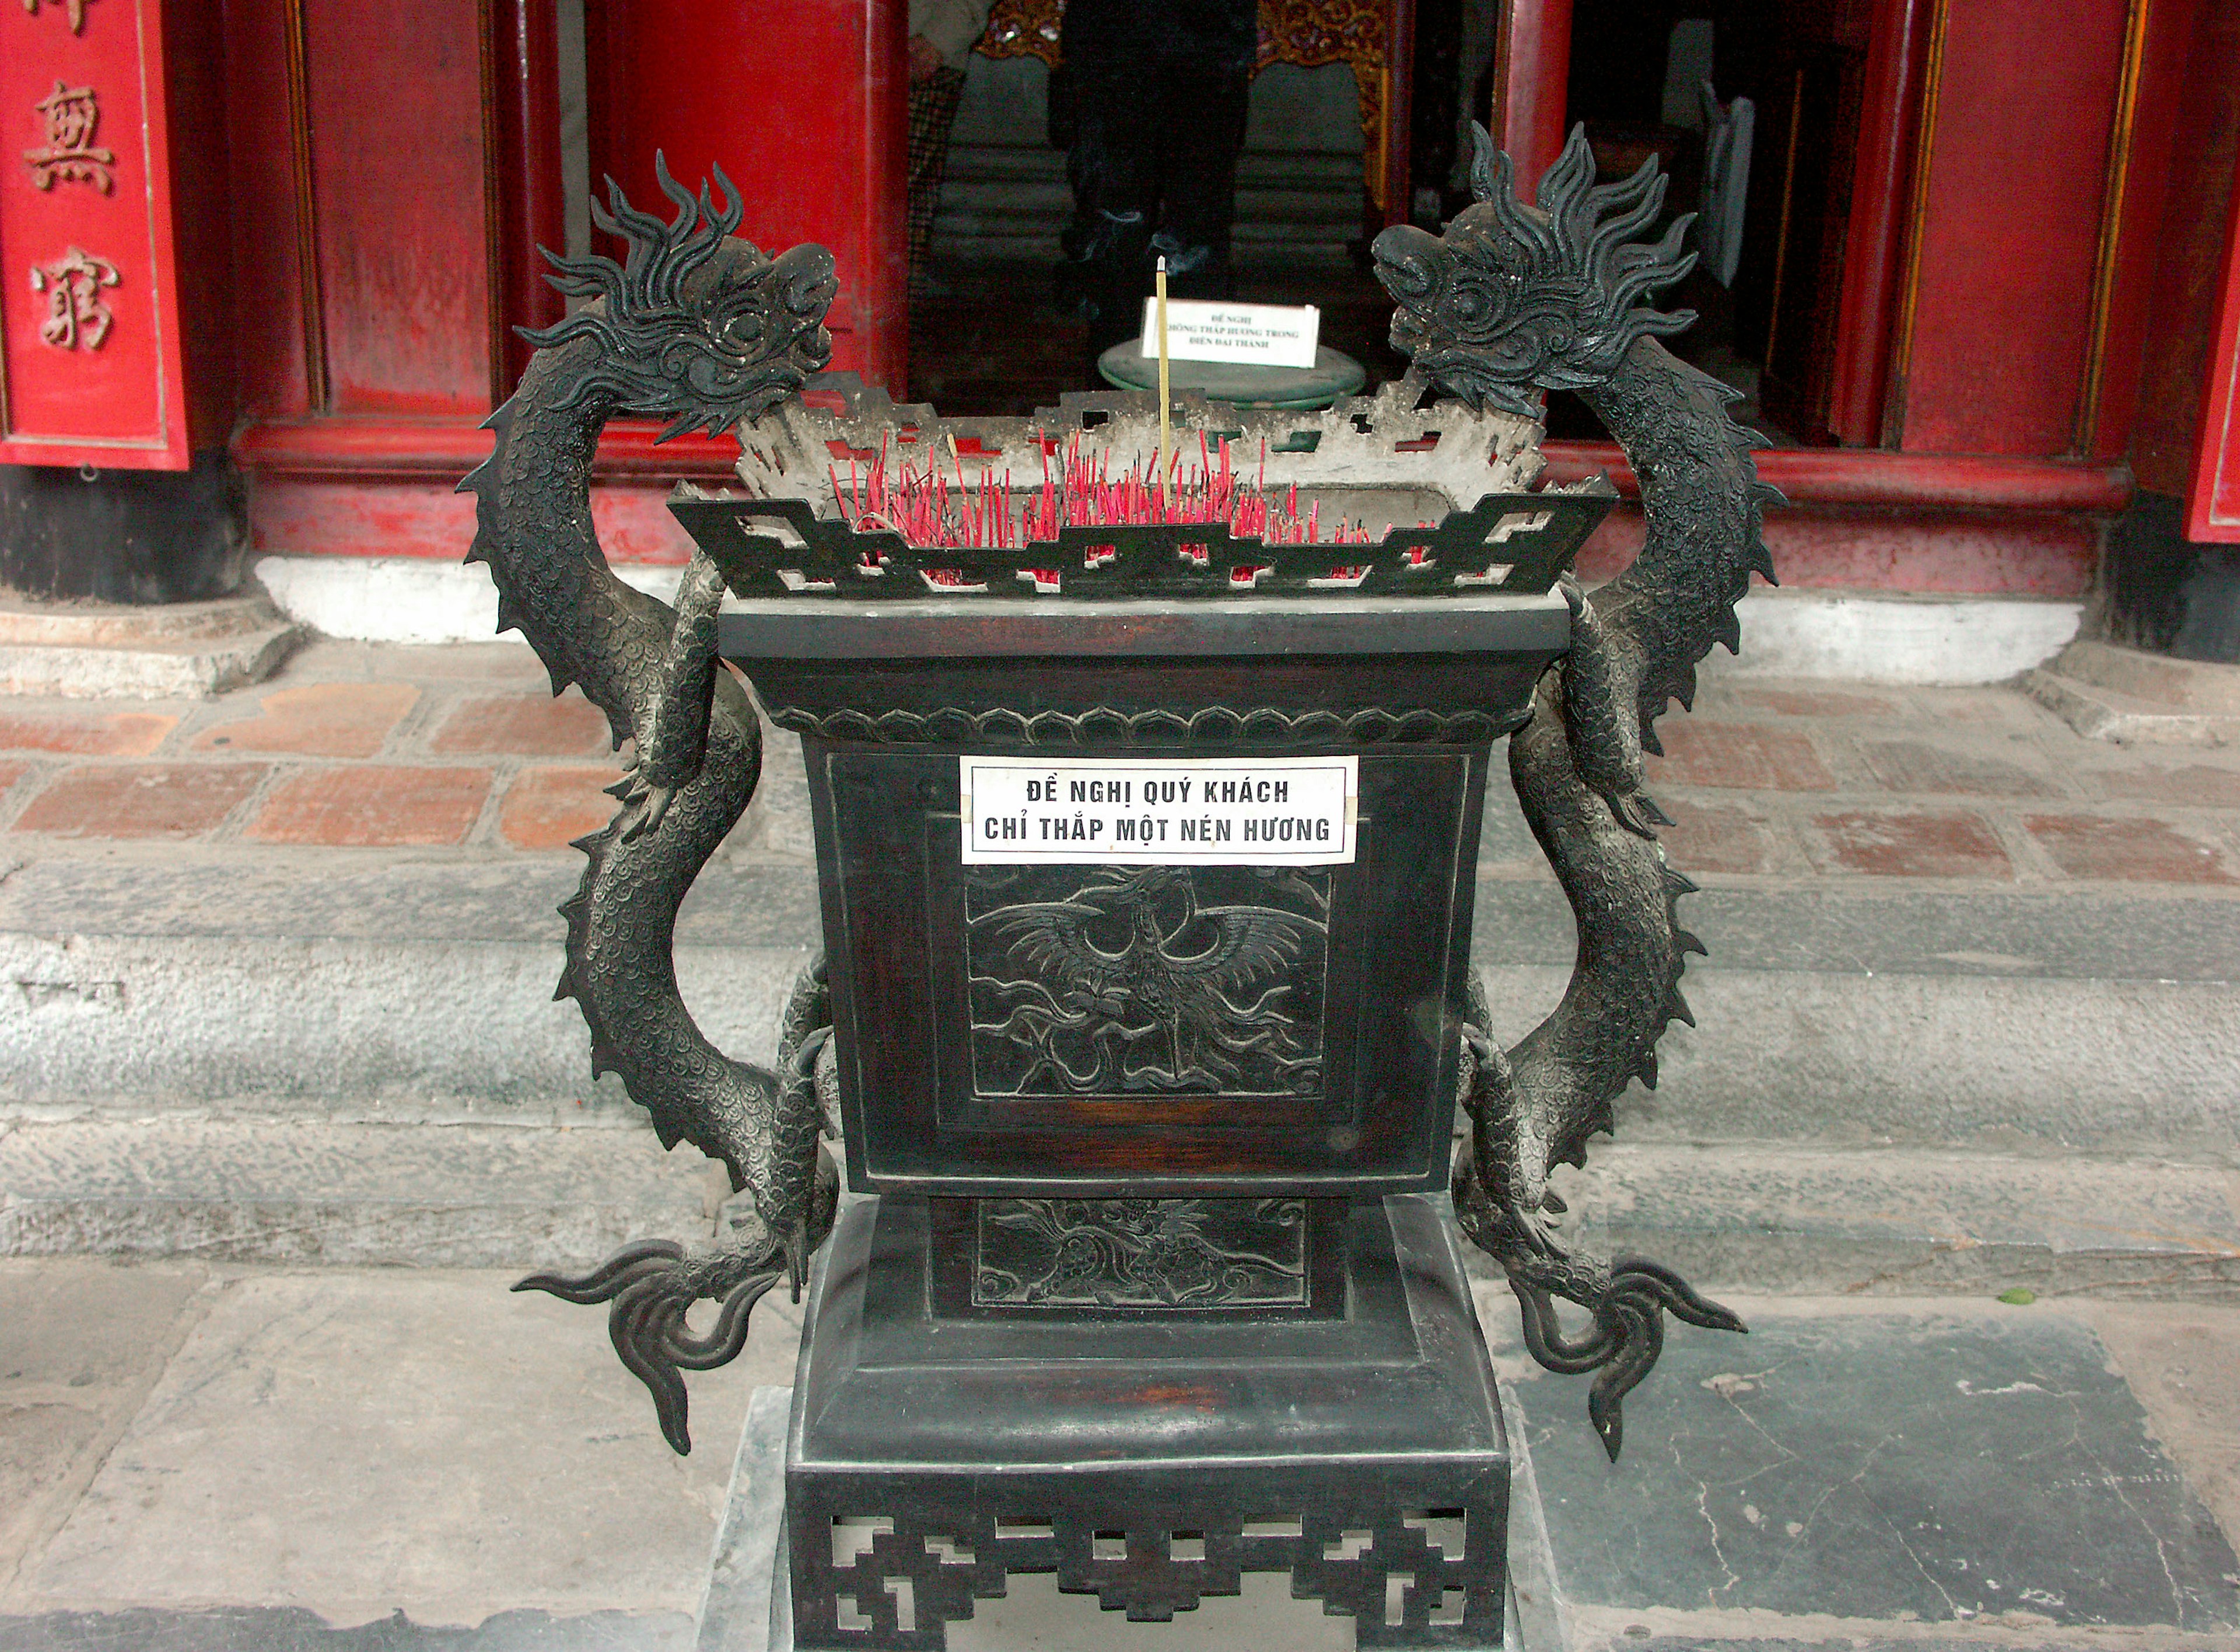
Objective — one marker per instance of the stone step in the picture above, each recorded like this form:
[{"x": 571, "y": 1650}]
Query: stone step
[
  {"x": 1747, "y": 1215},
  {"x": 2104, "y": 1022},
  {"x": 2099, "y": 692},
  {"x": 1259, "y": 257},
  {"x": 177, "y": 650},
  {"x": 1758, "y": 1217},
  {"x": 457, "y": 1196},
  {"x": 1291, "y": 169},
  {"x": 414, "y": 990},
  {"x": 1010, "y": 201},
  {"x": 1262, "y": 215}
]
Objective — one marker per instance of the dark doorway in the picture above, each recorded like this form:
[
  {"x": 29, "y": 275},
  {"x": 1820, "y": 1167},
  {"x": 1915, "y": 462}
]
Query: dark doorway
[
  {"x": 987, "y": 332},
  {"x": 1768, "y": 157}
]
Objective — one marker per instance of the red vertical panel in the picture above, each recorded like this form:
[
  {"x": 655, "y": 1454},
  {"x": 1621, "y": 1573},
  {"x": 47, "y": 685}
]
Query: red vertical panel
[
  {"x": 201, "y": 221},
  {"x": 2009, "y": 232},
  {"x": 2190, "y": 248},
  {"x": 2213, "y": 502},
  {"x": 90, "y": 352},
  {"x": 1535, "y": 71},
  {"x": 802, "y": 107},
  {"x": 1399, "y": 122},
  {"x": 2165, "y": 34},
  {"x": 1889, "y": 108},
  {"x": 531, "y": 211},
  {"x": 268, "y": 209},
  {"x": 395, "y": 92}
]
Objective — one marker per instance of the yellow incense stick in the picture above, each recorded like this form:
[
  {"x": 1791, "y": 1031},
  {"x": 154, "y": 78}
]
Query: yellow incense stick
[{"x": 1166, "y": 434}]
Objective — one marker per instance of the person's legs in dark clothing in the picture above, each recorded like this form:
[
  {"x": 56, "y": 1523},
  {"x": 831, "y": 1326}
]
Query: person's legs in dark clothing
[
  {"x": 1113, "y": 167},
  {"x": 1154, "y": 98},
  {"x": 1202, "y": 134},
  {"x": 932, "y": 111}
]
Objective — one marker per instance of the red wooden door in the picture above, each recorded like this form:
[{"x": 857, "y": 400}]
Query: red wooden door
[
  {"x": 802, "y": 106},
  {"x": 89, "y": 316}
]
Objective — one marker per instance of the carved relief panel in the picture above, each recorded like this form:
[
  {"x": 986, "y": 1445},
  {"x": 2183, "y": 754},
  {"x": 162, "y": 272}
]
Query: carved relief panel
[
  {"x": 1147, "y": 1030},
  {"x": 1163, "y": 980}
]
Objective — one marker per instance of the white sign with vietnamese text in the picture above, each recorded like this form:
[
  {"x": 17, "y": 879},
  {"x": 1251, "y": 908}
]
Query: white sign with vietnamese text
[
  {"x": 1256, "y": 335},
  {"x": 1193, "y": 811}
]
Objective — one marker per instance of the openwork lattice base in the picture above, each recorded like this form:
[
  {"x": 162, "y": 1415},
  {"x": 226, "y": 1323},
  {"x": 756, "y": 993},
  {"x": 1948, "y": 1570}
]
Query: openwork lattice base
[
  {"x": 931, "y": 1457},
  {"x": 1425, "y": 1575}
]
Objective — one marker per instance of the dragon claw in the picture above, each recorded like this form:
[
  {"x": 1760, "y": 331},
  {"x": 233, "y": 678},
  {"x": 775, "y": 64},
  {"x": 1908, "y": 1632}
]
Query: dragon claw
[
  {"x": 652, "y": 1285},
  {"x": 645, "y": 804},
  {"x": 1629, "y": 1298},
  {"x": 657, "y": 799},
  {"x": 652, "y": 808}
]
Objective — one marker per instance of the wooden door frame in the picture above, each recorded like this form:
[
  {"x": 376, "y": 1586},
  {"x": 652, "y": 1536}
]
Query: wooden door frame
[{"x": 1529, "y": 116}]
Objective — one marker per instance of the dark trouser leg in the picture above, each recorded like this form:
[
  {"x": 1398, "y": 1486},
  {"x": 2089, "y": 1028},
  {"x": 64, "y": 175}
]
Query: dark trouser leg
[
  {"x": 1202, "y": 131},
  {"x": 932, "y": 112},
  {"x": 1113, "y": 169}
]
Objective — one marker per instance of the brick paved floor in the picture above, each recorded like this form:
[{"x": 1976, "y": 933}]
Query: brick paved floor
[
  {"x": 351, "y": 747},
  {"x": 464, "y": 750}
]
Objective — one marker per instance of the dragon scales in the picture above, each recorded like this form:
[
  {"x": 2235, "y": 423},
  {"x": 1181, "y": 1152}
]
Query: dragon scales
[{"x": 1513, "y": 300}]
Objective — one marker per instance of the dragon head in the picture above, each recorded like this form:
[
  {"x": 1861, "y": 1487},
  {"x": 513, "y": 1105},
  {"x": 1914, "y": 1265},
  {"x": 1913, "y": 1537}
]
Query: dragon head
[
  {"x": 1514, "y": 299},
  {"x": 694, "y": 325}
]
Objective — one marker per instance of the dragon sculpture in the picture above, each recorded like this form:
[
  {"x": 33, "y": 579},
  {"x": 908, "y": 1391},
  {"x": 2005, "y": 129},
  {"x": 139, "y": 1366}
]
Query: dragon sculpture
[
  {"x": 1512, "y": 301},
  {"x": 704, "y": 331}
]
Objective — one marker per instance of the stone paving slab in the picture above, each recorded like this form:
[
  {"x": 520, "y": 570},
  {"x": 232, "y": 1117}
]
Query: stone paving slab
[
  {"x": 81, "y": 1342},
  {"x": 294, "y": 1630},
  {"x": 1676, "y": 1632},
  {"x": 2183, "y": 1367},
  {"x": 1768, "y": 780},
  {"x": 350, "y": 1445},
  {"x": 364, "y": 1461},
  {"x": 1955, "y": 1470}
]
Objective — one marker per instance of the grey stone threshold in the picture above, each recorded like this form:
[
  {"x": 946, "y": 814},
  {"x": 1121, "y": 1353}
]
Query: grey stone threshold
[
  {"x": 1750, "y": 1216},
  {"x": 2073, "y": 934},
  {"x": 234, "y": 1190}
]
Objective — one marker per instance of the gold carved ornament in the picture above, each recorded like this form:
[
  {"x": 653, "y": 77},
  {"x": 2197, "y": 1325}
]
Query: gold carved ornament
[
  {"x": 75, "y": 8},
  {"x": 1305, "y": 33},
  {"x": 76, "y": 312},
  {"x": 68, "y": 116}
]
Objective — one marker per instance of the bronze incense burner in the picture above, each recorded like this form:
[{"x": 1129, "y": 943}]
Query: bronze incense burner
[{"x": 1146, "y": 807}]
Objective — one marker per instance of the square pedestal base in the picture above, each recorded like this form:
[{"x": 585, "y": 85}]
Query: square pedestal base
[{"x": 1149, "y": 1458}]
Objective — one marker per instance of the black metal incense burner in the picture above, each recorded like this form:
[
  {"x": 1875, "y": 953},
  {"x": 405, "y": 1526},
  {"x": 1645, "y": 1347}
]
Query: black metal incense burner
[{"x": 1146, "y": 849}]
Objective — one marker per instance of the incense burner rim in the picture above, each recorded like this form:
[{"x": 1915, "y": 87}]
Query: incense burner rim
[{"x": 946, "y": 628}]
